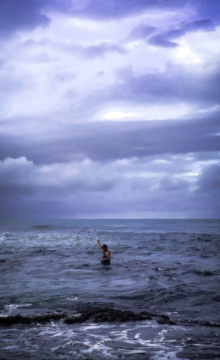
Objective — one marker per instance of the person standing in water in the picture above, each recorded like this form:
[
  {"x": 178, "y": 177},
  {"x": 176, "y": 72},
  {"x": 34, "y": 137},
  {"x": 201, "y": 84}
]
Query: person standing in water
[{"x": 106, "y": 253}]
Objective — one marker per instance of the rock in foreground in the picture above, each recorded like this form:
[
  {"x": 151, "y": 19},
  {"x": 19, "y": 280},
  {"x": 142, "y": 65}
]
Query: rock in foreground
[{"x": 97, "y": 314}]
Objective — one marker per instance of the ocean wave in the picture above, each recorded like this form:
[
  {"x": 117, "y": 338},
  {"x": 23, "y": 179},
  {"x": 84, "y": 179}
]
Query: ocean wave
[
  {"x": 42, "y": 227},
  {"x": 203, "y": 272},
  {"x": 8, "y": 234}
]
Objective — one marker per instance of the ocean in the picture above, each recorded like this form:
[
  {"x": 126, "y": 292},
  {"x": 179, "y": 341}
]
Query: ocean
[{"x": 164, "y": 267}]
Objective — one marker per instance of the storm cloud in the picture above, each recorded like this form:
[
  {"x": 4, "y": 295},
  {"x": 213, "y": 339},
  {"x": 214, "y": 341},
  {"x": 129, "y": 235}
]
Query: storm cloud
[
  {"x": 166, "y": 39},
  {"x": 21, "y": 15},
  {"x": 109, "y": 109},
  {"x": 104, "y": 141}
]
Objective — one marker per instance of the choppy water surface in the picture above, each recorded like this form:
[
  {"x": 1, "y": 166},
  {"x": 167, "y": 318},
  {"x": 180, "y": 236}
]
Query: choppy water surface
[{"x": 167, "y": 267}]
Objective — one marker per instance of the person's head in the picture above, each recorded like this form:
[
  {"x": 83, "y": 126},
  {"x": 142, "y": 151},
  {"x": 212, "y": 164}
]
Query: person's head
[{"x": 104, "y": 247}]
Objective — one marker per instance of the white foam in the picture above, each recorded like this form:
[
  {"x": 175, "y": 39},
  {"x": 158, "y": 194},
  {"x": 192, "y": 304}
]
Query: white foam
[
  {"x": 12, "y": 347},
  {"x": 105, "y": 350},
  {"x": 11, "y": 307},
  {"x": 171, "y": 355},
  {"x": 94, "y": 326},
  {"x": 131, "y": 352}
]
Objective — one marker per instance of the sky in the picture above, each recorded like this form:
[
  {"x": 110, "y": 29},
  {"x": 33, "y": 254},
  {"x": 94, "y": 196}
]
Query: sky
[{"x": 110, "y": 109}]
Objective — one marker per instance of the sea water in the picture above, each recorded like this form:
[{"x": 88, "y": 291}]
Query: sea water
[{"x": 169, "y": 267}]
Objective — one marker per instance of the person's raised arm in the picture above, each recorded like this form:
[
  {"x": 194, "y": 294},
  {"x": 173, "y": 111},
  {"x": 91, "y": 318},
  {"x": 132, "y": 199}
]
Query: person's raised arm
[{"x": 99, "y": 245}]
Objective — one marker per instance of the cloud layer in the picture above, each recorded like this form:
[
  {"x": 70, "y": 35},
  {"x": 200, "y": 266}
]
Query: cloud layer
[{"x": 109, "y": 109}]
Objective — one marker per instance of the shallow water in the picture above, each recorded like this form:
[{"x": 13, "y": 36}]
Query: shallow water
[{"x": 167, "y": 267}]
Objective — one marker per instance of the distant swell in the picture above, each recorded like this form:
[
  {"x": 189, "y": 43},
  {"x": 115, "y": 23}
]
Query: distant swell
[{"x": 42, "y": 227}]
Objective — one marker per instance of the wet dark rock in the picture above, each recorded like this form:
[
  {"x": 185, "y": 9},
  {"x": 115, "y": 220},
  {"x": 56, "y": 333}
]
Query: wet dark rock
[
  {"x": 20, "y": 319},
  {"x": 94, "y": 314},
  {"x": 202, "y": 323},
  {"x": 193, "y": 353},
  {"x": 112, "y": 315}
]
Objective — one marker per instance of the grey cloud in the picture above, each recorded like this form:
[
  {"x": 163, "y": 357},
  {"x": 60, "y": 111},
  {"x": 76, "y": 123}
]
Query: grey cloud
[
  {"x": 197, "y": 199},
  {"x": 30, "y": 43},
  {"x": 28, "y": 14},
  {"x": 205, "y": 9},
  {"x": 108, "y": 9},
  {"x": 160, "y": 40},
  {"x": 164, "y": 39},
  {"x": 99, "y": 50},
  {"x": 104, "y": 187},
  {"x": 44, "y": 57},
  {"x": 24, "y": 183},
  {"x": 141, "y": 31},
  {"x": 89, "y": 52},
  {"x": 173, "y": 34},
  {"x": 139, "y": 194},
  {"x": 172, "y": 184},
  {"x": 173, "y": 85},
  {"x": 20, "y": 15},
  {"x": 204, "y": 24},
  {"x": 210, "y": 179},
  {"x": 22, "y": 177},
  {"x": 105, "y": 141},
  {"x": 208, "y": 191},
  {"x": 94, "y": 51},
  {"x": 64, "y": 77}
]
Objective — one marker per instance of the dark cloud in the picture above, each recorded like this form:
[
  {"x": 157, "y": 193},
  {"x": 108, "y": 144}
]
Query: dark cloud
[
  {"x": 210, "y": 179},
  {"x": 108, "y": 9},
  {"x": 66, "y": 167},
  {"x": 206, "y": 9},
  {"x": 142, "y": 31},
  {"x": 159, "y": 40},
  {"x": 93, "y": 51},
  {"x": 24, "y": 196},
  {"x": 173, "y": 184},
  {"x": 89, "y": 52},
  {"x": 207, "y": 193},
  {"x": 31, "y": 187},
  {"x": 28, "y": 14},
  {"x": 105, "y": 141},
  {"x": 204, "y": 24},
  {"x": 99, "y": 50},
  {"x": 20, "y": 15},
  {"x": 176, "y": 84},
  {"x": 165, "y": 39}
]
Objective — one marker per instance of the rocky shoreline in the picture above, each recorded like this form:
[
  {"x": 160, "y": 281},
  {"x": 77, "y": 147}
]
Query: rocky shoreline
[{"x": 94, "y": 314}]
